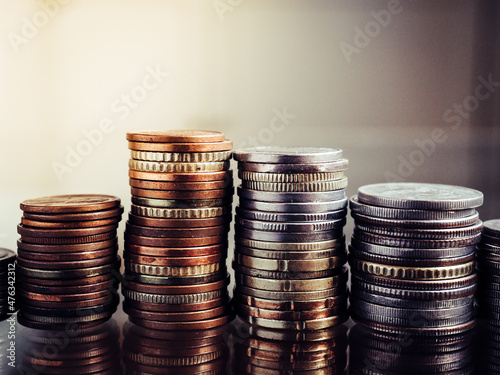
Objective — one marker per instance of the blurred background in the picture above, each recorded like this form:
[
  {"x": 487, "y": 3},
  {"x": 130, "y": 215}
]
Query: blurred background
[{"x": 410, "y": 90}]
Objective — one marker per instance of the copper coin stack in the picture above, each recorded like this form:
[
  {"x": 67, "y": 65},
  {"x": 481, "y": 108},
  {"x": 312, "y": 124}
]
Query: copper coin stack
[
  {"x": 176, "y": 235},
  {"x": 150, "y": 351},
  {"x": 412, "y": 258},
  {"x": 92, "y": 350},
  {"x": 7, "y": 283},
  {"x": 67, "y": 258},
  {"x": 289, "y": 244}
]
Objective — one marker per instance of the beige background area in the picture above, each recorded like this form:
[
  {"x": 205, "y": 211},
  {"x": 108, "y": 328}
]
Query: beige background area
[{"x": 376, "y": 78}]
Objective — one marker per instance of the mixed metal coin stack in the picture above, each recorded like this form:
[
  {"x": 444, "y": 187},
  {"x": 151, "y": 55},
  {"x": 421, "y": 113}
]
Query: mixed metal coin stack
[
  {"x": 289, "y": 244},
  {"x": 92, "y": 350},
  {"x": 176, "y": 235},
  {"x": 150, "y": 351},
  {"x": 276, "y": 352},
  {"x": 488, "y": 296},
  {"x": 67, "y": 260},
  {"x": 378, "y": 353},
  {"x": 412, "y": 258},
  {"x": 7, "y": 283}
]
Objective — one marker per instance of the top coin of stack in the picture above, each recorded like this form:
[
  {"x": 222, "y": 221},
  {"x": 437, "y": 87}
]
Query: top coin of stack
[
  {"x": 412, "y": 257},
  {"x": 290, "y": 249},
  {"x": 176, "y": 235},
  {"x": 66, "y": 257}
]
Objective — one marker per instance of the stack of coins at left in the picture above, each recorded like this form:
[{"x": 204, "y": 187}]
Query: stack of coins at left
[
  {"x": 176, "y": 235},
  {"x": 289, "y": 244},
  {"x": 67, "y": 255},
  {"x": 7, "y": 283}
]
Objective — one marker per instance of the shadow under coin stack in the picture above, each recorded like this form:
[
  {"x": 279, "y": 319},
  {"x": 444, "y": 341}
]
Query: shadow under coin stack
[
  {"x": 277, "y": 352},
  {"x": 8, "y": 293},
  {"x": 289, "y": 243},
  {"x": 488, "y": 296},
  {"x": 150, "y": 351},
  {"x": 412, "y": 258},
  {"x": 67, "y": 260},
  {"x": 176, "y": 236}
]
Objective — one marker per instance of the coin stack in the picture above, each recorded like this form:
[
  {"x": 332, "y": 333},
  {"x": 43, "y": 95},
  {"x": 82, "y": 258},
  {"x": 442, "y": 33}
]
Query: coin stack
[
  {"x": 412, "y": 257},
  {"x": 67, "y": 258},
  {"x": 93, "y": 350},
  {"x": 378, "y": 353},
  {"x": 7, "y": 283},
  {"x": 488, "y": 296},
  {"x": 275, "y": 352},
  {"x": 150, "y": 351},
  {"x": 289, "y": 243},
  {"x": 176, "y": 235}
]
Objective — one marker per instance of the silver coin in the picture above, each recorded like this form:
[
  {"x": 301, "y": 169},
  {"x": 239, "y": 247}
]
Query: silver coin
[
  {"x": 301, "y": 325},
  {"x": 277, "y": 217},
  {"x": 309, "y": 265},
  {"x": 406, "y": 214},
  {"x": 420, "y": 196},
  {"x": 278, "y": 197},
  {"x": 291, "y": 285},
  {"x": 339, "y": 333},
  {"x": 294, "y": 178},
  {"x": 333, "y": 166},
  {"x": 287, "y": 155},
  {"x": 288, "y": 315},
  {"x": 289, "y": 255},
  {"x": 278, "y": 275},
  {"x": 492, "y": 228},
  {"x": 495, "y": 241},
  {"x": 412, "y": 253},
  {"x": 287, "y": 236},
  {"x": 180, "y": 203},
  {"x": 301, "y": 187},
  {"x": 291, "y": 296},
  {"x": 291, "y": 246},
  {"x": 290, "y": 227},
  {"x": 185, "y": 280},
  {"x": 304, "y": 208},
  {"x": 67, "y": 273},
  {"x": 173, "y": 299},
  {"x": 181, "y": 157}
]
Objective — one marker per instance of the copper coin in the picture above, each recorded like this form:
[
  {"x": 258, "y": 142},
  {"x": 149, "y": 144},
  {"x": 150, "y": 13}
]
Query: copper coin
[
  {"x": 175, "y": 317},
  {"x": 262, "y": 303},
  {"x": 214, "y": 367},
  {"x": 186, "y": 280},
  {"x": 134, "y": 330},
  {"x": 108, "y": 307},
  {"x": 102, "y": 367},
  {"x": 180, "y": 289},
  {"x": 174, "y": 350},
  {"x": 195, "y": 325},
  {"x": 289, "y": 315},
  {"x": 71, "y": 289},
  {"x": 174, "y": 262},
  {"x": 75, "y": 283},
  {"x": 176, "y": 136},
  {"x": 70, "y": 203},
  {"x": 140, "y": 341},
  {"x": 202, "y": 177},
  {"x": 179, "y": 308},
  {"x": 67, "y": 304},
  {"x": 182, "y": 186},
  {"x": 56, "y": 326},
  {"x": 177, "y": 252},
  {"x": 61, "y": 297},
  {"x": 182, "y": 203},
  {"x": 80, "y": 216},
  {"x": 224, "y": 145},
  {"x": 65, "y": 257},
  {"x": 70, "y": 240},
  {"x": 178, "y": 223},
  {"x": 69, "y": 224},
  {"x": 79, "y": 232},
  {"x": 66, "y": 265},
  {"x": 73, "y": 248},
  {"x": 174, "y": 242},
  {"x": 180, "y": 194},
  {"x": 176, "y": 232}
]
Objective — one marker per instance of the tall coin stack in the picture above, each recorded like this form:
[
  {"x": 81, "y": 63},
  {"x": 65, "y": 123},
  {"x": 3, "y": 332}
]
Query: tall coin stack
[
  {"x": 7, "y": 283},
  {"x": 488, "y": 296},
  {"x": 67, "y": 257},
  {"x": 289, "y": 243},
  {"x": 412, "y": 257},
  {"x": 176, "y": 235}
]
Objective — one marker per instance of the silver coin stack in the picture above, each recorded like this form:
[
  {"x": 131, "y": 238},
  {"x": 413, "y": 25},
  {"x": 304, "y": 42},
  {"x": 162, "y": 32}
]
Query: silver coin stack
[
  {"x": 412, "y": 258},
  {"x": 289, "y": 243}
]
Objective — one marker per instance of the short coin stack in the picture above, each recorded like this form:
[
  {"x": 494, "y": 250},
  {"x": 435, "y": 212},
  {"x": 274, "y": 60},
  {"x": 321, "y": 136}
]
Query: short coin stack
[
  {"x": 275, "y": 352},
  {"x": 176, "y": 235},
  {"x": 412, "y": 257},
  {"x": 67, "y": 255},
  {"x": 150, "y": 351},
  {"x": 289, "y": 243},
  {"x": 7, "y": 283}
]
